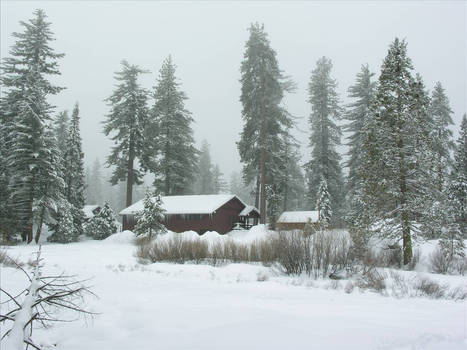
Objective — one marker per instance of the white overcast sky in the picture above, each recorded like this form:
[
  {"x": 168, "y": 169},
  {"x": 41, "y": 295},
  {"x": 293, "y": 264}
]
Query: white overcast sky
[{"x": 206, "y": 41}]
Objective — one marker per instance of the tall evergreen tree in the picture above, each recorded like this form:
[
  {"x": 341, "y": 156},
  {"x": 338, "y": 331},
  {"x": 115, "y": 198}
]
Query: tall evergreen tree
[
  {"x": 292, "y": 180},
  {"x": 204, "y": 182},
  {"x": 457, "y": 191},
  {"x": 325, "y": 136},
  {"x": 61, "y": 126},
  {"x": 265, "y": 120},
  {"x": 237, "y": 187},
  {"x": 396, "y": 147},
  {"x": 218, "y": 182},
  {"x": 357, "y": 114},
  {"x": 170, "y": 128},
  {"x": 26, "y": 120},
  {"x": 94, "y": 190},
  {"x": 126, "y": 121},
  {"x": 443, "y": 144},
  {"x": 74, "y": 171}
]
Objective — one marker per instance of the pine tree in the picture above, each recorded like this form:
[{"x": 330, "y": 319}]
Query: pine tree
[
  {"x": 323, "y": 204},
  {"x": 238, "y": 188},
  {"x": 74, "y": 171},
  {"x": 94, "y": 184},
  {"x": 64, "y": 229},
  {"x": 170, "y": 128},
  {"x": 150, "y": 221},
  {"x": 265, "y": 120},
  {"x": 103, "y": 224},
  {"x": 325, "y": 136},
  {"x": 396, "y": 147},
  {"x": 357, "y": 114},
  {"x": 204, "y": 183},
  {"x": 61, "y": 126},
  {"x": 127, "y": 121},
  {"x": 26, "y": 118},
  {"x": 219, "y": 184},
  {"x": 457, "y": 192},
  {"x": 292, "y": 181},
  {"x": 441, "y": 115}
]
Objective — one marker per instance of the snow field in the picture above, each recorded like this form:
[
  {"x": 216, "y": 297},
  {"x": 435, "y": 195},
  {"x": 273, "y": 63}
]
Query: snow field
[{"x": 236, "y": 306}]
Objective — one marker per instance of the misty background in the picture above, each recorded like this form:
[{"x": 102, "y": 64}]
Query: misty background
[{"x": 206, "y": 41}]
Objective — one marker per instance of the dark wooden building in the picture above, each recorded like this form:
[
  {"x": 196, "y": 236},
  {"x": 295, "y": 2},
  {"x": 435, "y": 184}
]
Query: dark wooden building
[{"x": 198, "y": 213}]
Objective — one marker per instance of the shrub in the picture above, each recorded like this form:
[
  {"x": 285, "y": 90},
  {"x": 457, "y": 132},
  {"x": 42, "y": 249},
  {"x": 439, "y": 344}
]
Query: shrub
[
  {"x": 432, "y": 289},
  {"x": 439, "y": 262},
  {"x": 372, "y": 279}
]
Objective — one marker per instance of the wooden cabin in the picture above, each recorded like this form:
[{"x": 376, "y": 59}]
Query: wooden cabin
[
  {"x": 296, "y": 220},
  {"x": 198, "y": 213}
]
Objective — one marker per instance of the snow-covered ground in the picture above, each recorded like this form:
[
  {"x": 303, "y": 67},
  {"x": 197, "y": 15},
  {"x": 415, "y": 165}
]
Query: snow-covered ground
[{"x": 237, "y": 306}]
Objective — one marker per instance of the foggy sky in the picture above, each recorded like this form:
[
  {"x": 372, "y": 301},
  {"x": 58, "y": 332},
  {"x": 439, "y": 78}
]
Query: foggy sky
[{"x": 206, "y": 41}]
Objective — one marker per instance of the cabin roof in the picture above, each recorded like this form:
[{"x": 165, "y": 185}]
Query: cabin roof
[
  {"x": 298, "y": 217},
  {"x": 193, "y": 204},
  {"x": 247, "y": 210},
  {"x": 89, "y": 210}
]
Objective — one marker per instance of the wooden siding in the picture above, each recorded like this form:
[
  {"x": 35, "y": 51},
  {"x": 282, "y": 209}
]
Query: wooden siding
[{"x": 222, "y": 220}]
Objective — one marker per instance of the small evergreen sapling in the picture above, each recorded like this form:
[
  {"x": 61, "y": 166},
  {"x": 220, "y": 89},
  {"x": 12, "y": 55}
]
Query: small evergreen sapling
[
  {"x": 64, "y": 231},
  {"x": 150, "y": 220},
  {"x": 103, "y": 224},
  {"x": 324, "y": 204}
]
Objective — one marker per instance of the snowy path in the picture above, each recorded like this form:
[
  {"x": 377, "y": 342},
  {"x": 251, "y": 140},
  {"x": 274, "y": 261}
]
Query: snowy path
[{"x": 164, "y": 306}]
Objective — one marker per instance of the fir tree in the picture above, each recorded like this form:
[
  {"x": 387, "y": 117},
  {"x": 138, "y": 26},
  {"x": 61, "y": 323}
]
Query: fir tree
[
  {"x": 265, "y": 121},
  {"x": 170, "y": 129},
  {"x": 61, "y": 126},
  {"x": 94, "y": 193},
  {"x": 64, "y": 229},
  {"x": 150, "y": 221},
  {"x": 26, "y": 119},
  {"x": 238, "y": 188},
  {"x": 103, "y": 224},
  {"x": 126, "y": 121},
  {"x": 325, "y": 136},
  {"x": 357, "y": 115},
  {"x": 292, "y": 180},
  {"x": 74, "y": 171},
  {"x": 218, "y": 182},
  {"x": 442, "y": 135},
  {"x": 323, "y": 204},
  {"x": 457, "y": 192},
  {"x": 204, "y": 183},
  {"x": 395, "y": 151}
]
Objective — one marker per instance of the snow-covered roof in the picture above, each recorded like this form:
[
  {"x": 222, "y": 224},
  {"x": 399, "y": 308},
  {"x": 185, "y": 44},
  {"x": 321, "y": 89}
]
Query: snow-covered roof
[
  {"x": 88, "y": 210},
  {"x": 194, "y": 204},
  {"x": 298, "y": 216},
  {"x": 247, "y": 210}
]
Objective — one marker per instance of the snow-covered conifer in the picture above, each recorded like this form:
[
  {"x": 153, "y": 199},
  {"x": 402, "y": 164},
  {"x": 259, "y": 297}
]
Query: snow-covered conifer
[
  {"x": 325, "y": 136},
  {"x": 173, "y": 156},
  {"x": 26, "y": 117},
  {"x": 394, "y": 150},
  {"x": 126, "y": 122},
  {"x": 219, "y": 184},
  {"x": 265, "y": 120},
  {"x": 150, "y": 221},
  {"x": 204, "y": 182},
  {"x": 103, "y": 224},
  {"x": 64, "y": 230},
  {"x": 323, "y": 204}
]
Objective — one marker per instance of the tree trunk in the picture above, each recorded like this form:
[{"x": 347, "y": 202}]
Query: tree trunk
[
  {"x": 39, "y": 228},
  {"x": 257, "y": 192}
]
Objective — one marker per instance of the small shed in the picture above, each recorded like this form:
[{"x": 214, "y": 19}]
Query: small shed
[
  {"x": 249, "y": 217},
  {"x": 200, "y": 213},
  {"x": 296, "y": 220}
]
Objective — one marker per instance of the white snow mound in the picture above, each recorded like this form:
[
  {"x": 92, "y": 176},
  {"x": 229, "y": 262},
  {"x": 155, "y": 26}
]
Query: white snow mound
[{"x": 123, "y": 237}]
